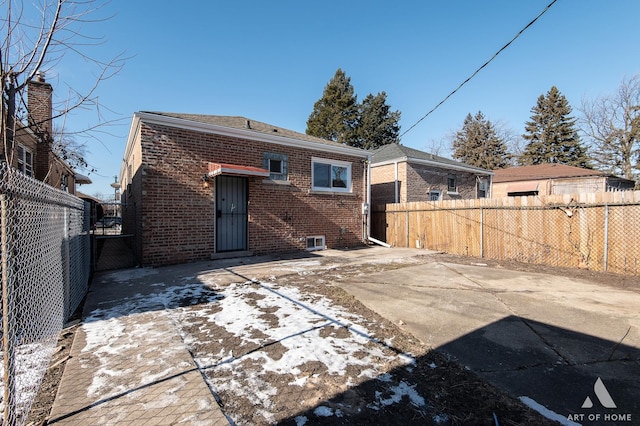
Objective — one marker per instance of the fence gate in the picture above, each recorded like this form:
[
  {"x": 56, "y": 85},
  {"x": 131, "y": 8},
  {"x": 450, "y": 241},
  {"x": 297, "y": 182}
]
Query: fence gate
[{"x": 111, "y": 247}]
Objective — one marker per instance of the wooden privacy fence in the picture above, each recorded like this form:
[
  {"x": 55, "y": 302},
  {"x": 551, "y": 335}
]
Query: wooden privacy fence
[{"x": 597, "y": 231}]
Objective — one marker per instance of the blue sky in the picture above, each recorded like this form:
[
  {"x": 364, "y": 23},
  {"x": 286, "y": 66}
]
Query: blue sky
[{"x": 270, "y": 61}]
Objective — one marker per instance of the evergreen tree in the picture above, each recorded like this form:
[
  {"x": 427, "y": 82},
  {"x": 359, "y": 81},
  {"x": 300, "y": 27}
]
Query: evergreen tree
[
  {"x": 479, "y": 145},
  {"x": 335, "y": 114},
  {"x": 551, "y": 133},
  {"x": 377, "y": 125}
]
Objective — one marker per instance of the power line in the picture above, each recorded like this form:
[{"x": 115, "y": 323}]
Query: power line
[{"x": 479, "y": 69}]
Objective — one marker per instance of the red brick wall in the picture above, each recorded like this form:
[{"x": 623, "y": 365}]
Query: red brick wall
[
  {"x": 39, "y": 103},
  {"x": 175, "y": 211},
  {"x": 383, "y": 186},
  {"x": 421, "y": 179},
  {"x": 415, "y": 181},
  {"x": 131, "y": 199}
]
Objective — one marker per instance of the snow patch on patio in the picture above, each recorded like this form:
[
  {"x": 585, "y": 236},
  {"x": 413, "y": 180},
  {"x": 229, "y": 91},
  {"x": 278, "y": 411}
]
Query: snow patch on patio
[{"x": 177, "y": 321}]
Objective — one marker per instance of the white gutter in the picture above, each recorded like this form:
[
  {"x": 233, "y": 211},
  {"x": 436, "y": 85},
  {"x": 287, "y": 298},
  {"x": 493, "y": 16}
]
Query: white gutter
[
  {"x": 437, "y": 164},
  {"x": 369, "y": 198},
  {"x": 247, "y": 134}
]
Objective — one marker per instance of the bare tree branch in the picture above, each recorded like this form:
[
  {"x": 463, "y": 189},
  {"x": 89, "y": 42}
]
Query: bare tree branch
[
  {"x": 610, "y": 123},
  {"x": 39, "y": 36}
]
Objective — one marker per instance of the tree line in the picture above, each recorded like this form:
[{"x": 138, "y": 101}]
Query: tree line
[{"x": 606, "y": 136}]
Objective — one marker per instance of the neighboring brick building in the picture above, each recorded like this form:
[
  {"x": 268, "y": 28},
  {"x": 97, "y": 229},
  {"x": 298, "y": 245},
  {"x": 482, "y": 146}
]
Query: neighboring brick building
[
  {"x": 196, "y": 187},
  {"x": 400, "y": 174},
  {"x": 31, "y": 152},
  {"x": 553, "y": 178}
]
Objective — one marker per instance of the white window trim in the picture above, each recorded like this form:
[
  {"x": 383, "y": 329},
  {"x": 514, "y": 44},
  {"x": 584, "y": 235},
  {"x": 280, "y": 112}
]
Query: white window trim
[
  {"x": 22, "y": 160},
  {"x": 455, "y": 181},
  {"x": 338, "y": 163},
  {"x": 315, "y": 245}
]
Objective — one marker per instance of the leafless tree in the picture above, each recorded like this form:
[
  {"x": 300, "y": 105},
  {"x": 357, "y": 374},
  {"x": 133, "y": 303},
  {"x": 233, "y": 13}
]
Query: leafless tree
[
  {"x": 436, "y": 147},
  {"x": 612, "y": 124},
  {"x": 37, "y": 36},
  {"x": 514, "y": 141}
]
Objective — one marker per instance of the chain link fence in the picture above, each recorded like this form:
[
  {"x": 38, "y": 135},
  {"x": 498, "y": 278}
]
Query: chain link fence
[
  {"x": 600, "y": 236},
  {"x": 45, "y": 274}
]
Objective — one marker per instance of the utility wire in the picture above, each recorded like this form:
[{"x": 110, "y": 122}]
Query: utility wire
[{"x": 479, "y": 69}]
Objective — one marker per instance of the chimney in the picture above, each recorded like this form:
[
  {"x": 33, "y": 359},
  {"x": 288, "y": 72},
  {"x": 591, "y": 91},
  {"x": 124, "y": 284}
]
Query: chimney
[{"x": 39, "y": 106}]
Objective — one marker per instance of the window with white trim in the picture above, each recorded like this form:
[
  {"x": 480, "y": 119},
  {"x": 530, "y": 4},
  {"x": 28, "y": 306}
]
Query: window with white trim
[
  {"x": 434, "y": 195},
  {"x": 330, "y": 175},
  {"x": 25, "y": 160},
  {"x": 452, "y": 184}
]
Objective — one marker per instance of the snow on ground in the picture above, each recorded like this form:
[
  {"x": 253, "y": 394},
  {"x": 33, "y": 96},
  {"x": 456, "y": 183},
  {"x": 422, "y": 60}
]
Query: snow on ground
[
  {"x": 30, "y": 364},
  {"x": 311, "y": 332},
  {"x": 546, "y": 412},
  {"x": 255, "y": 341}
]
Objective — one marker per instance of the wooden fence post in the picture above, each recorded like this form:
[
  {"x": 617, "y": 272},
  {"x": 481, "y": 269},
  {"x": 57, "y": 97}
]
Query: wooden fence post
[
  {"x": 481, "y": 232},
  {"x": 407, "y": 226},
  {"x": 606, "y": 237}
]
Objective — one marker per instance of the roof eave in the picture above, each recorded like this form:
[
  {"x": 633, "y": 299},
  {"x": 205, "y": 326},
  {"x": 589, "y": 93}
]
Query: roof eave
[
  {"x": 245, "y": 134},
  {"x": 525, "y": 178},
  {"x": 438, "y": 164}
]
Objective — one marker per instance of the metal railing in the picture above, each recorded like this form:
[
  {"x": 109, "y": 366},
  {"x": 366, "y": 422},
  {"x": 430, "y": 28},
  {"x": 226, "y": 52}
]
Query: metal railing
[{"x": 45, "y": 274}]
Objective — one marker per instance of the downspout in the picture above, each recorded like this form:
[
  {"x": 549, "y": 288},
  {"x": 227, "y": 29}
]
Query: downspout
[
  {"x": 367, "y": 228},
  {"x": 397, "y": 195},
  {"x": 490, "y": 186}
]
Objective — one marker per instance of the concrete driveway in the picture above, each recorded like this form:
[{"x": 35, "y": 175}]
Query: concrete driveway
[{"x": 564, "y": 345}]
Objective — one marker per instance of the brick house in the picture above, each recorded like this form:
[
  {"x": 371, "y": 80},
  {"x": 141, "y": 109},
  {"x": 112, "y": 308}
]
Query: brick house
[
  {"x": 31, "y": 152},
  {"x": 196, "y": 187},
  {"x": 400, "y": 174},
  {"x": 553, "y": 178}
]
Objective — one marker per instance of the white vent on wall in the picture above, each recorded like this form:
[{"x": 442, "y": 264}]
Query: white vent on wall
[{"x": 315, "y": 243}]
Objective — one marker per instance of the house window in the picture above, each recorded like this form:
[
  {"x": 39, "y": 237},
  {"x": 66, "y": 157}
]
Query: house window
[
  {"x": 64, "y": 183},
  {"x": 483, "y": 187},
  {"x": 434, "y": 195},
  {"x": 315, "y": 243},
  {"x": 277, "y": 164},
  {"x": 331, "y": 175},
  {"x": 452, "y": 186},
  {"x": 25, "y": 160}
]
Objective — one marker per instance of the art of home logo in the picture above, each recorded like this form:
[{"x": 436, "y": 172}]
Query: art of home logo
[{"x": 606, "y": 401}]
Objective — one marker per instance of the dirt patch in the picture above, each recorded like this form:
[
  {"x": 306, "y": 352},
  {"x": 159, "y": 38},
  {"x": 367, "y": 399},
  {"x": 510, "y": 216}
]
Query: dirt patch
[{"x": 49, "y": 387}]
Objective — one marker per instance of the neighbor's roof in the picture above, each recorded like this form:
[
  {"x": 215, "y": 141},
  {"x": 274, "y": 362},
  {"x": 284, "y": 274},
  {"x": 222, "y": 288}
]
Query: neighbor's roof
[
  {"x": 396, "y": 152},
  {"x": 544, "y": 171},
  {"x": 246, "y": 124}
]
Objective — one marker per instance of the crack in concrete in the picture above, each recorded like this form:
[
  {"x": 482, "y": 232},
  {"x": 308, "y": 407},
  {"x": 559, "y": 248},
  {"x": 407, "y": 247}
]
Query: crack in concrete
[{"x": 495, "y": 294}]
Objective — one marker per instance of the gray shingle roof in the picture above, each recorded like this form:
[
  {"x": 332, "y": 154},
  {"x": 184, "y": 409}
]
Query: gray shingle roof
[
  {"x": 394, "y": 151},
  {"x": 238, "y": 122}
]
